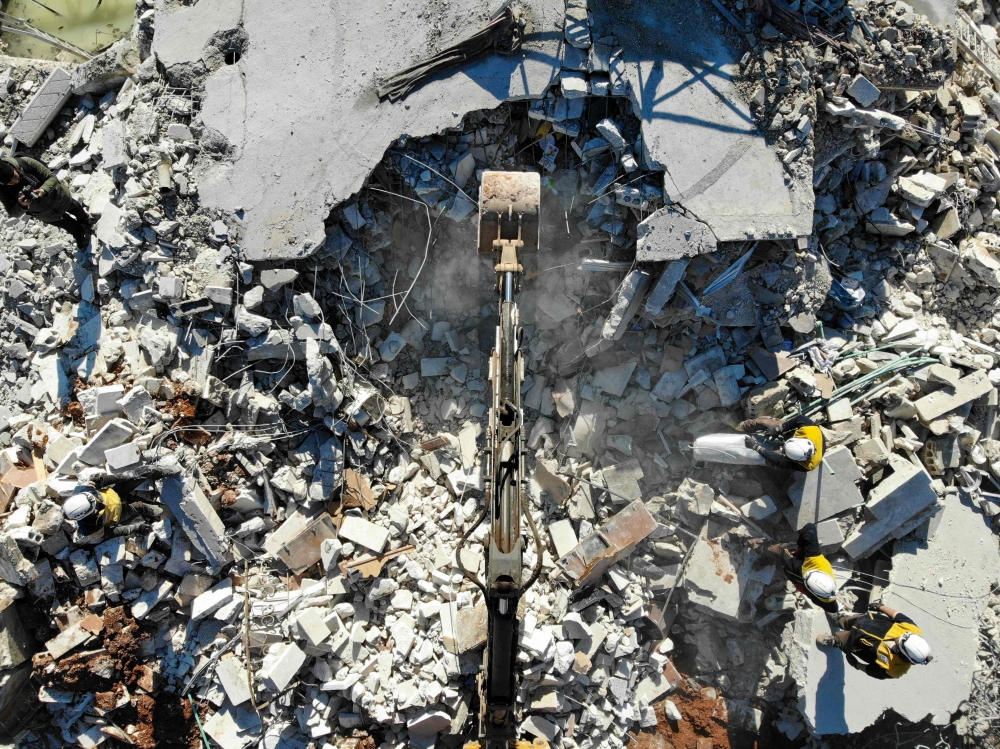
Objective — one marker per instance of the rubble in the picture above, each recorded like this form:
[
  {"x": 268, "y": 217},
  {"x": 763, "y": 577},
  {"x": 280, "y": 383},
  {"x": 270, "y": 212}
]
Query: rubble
[{"x": 324, "y": 416}]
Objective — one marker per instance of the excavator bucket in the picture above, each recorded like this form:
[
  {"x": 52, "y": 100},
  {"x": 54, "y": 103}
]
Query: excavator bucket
[{"x": 509, "y": 209}]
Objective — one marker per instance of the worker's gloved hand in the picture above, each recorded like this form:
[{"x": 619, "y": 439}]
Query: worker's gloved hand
[
  {"x": 750, "y": 441},
  {"x": 875, "y": 606}
]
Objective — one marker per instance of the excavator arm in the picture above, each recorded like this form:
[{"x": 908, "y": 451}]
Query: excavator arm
[{"x": 508, "y": 227}]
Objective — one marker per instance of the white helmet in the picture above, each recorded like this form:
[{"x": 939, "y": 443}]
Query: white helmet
[
  {"x": 799, "y": 449},
  {"x": 914, "y": 648},
  {"x": 82, "y": 503},
  {"x": 821, "y": 585}
]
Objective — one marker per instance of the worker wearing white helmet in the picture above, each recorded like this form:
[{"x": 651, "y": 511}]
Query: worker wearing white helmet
[
  {"x": 808, "y": 570},
  {"x": 797, "y": 444},
  {"x": 883, "y": 643},
  {"x": 102, "y": 503}
]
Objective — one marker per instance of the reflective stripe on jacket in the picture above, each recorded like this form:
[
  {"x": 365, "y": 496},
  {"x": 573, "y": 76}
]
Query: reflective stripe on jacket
[{"x": 870, "y": 639}]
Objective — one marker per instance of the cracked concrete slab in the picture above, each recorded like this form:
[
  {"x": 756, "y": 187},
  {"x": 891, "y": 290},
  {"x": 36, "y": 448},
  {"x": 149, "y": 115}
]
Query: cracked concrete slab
[
  {"x": 696, "y": 127},
  {"x": 836, "y": 699},
  {"x": 669, "y": 235},
  {"x": 306, "y": 129}
]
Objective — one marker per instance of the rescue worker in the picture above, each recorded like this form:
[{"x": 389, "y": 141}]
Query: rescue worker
[
  {"x": 101, "y": 503},
  {"x": 883, "y": 643},
  {"x": 808, "y": 570},
  {"x": 28, "y": 186},
  {"x": 802, "y": 449}
]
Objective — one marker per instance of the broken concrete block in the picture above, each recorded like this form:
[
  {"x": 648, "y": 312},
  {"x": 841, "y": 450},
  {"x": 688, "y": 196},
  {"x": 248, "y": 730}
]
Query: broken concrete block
[
  {"x": 939, "y": 403},
  {"x": 669, "y": 235},
  {"x": 829, "y": 533},
  {"x": 116, "y": 432},
  {"x": 718, "y": 581},
  {"x": 364, "y": 533},
  {"x": 760, "y": 508},
  {"x": 839, "y": 410},
  {"x": 577, "y": 29},
  {"x": 863, "y": 91},
  {"x": 232, "y": 674},
  {"x": 434, "y": 367},
  {"x": 827, "y": 491},
  {"x": 122, "y": 457},
  {"x": 107, "y": 397},
  {"x": 663, "y": 291},
  {"x": 212, "y": 600},
  {"x": 298, "y": 542},
  {"x": 623, "y": 480},
  {"x": 272, "y": 280},
  {"x": 43, "y": 108},
  {"x": 284, "y": 668},
  {"x": 197, "y": 518},
  {"x": 896, "y": 501},
  {"x": 428, "y": 723},
  {"x": 727, "y": 384},
  {"x": 628, "y": 299},
  {"x": 547, "y": 477},
  {"x": 563, "y": 536},
  {"x": 613, "y": 380}
]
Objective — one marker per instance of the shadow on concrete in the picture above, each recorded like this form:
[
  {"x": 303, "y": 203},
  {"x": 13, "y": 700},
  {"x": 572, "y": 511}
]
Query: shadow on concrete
[
  {"x": 670, "y": 32},
  {"x": 831, "y": 686}
]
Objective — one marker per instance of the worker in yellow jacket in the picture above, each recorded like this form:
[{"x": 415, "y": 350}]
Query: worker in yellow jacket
[
  {"x": 883, "y": 643},
  {"x": 104, "y": 503},
  {"x": 802, "y": 442},
  {"x": 808, "y": 570}
]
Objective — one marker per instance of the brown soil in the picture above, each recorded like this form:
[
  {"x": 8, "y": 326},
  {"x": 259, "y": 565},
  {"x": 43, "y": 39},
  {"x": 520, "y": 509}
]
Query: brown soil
[
  {"x": 174, "y": 724},
  {"x": 97, "y": 670},
  {"x": 181, "y": 408},
  {"x": 703, "y": 719},
  {"x": 122, "y": 639},
  {"x": 74, "y": 411}
]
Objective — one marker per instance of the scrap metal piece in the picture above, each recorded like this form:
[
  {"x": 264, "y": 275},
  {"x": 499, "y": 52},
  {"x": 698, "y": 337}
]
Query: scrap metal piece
[
  {"x": 503, "y": 35},
  {"x": 371, "y": 566},
  {"x": 610, "y": 543}
]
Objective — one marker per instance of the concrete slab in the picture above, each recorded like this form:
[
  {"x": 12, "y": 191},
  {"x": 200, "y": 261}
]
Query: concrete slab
[
  {"x": 898, "y": 501},
  {"x": 669, "y": 235},
  {"x": 695, "y": 125},
  {"x": 193, "y": 512},
  {"x": 719, "y": 581},
  {"x": 278, "y": 120},
  {"x": 827, "y": 491},
  {"x": 836, "y": 699},
  {"x": 43, "y": 107},
  {"x": 939, "y": 403}
]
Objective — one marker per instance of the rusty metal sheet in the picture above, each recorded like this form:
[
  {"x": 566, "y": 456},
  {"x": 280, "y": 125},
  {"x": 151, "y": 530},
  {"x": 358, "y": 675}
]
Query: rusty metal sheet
[
  {"x": 372, "y": 566},
  {"x": 611, "y": 542}
]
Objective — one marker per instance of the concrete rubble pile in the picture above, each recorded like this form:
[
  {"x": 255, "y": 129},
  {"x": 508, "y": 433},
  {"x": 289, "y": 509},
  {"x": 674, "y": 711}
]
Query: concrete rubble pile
[{"x": 321, "y": 421}]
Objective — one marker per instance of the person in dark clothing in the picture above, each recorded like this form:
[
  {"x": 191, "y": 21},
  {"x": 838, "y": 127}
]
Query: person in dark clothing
[
  {"x": 808, "y": 570},
  {"x": 802, "y": 449},
  {"x": 28, "y": 186},
  {"x": 883, "y": 643},
  {"x": 102, "y": 503}
]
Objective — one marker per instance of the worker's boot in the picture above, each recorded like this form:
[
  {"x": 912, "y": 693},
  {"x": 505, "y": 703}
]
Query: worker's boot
[{"x": 826, "y": 641}]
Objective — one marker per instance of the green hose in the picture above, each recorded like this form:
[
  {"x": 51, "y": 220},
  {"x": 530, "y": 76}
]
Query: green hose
[
  {"x": 891, "y": 368},
  {"x": 197, "y": 720}
]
